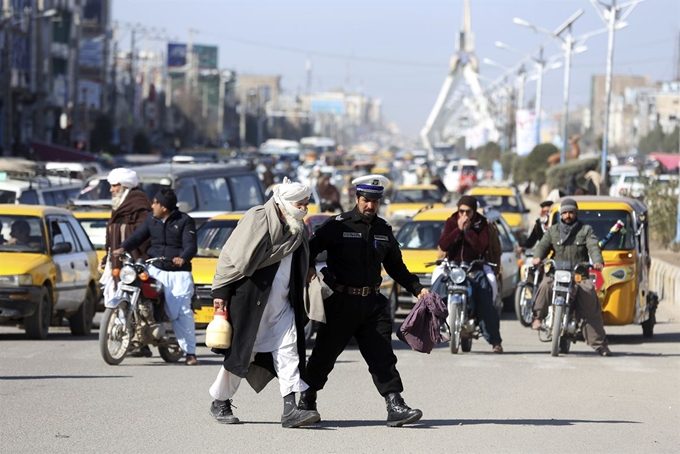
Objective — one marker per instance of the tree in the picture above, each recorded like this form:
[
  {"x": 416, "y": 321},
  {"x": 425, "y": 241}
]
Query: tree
[
  {"x": 658, "y": 142},
  {"x": 507, "y": 162},
  {"x": 487, "y": 154}
]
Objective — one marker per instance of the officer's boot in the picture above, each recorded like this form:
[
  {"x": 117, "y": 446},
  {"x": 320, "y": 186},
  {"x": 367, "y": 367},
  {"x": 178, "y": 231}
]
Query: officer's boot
[
  {"x": 308, "y": 400},
  {"x": 398, "y": 413}
]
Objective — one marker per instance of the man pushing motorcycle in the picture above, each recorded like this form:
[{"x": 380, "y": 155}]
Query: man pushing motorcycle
[{"x": 573, "y": 241}]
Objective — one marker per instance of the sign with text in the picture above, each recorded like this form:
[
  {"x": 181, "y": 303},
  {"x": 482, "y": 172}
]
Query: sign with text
[{"x": 525, "y": 121}]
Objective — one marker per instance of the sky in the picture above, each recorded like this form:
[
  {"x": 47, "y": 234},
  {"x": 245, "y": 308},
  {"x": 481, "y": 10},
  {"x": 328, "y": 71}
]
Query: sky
[{"x": 399, "y": 51}]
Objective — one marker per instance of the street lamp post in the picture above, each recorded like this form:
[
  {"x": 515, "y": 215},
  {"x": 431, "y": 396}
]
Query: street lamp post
[{"x": 610, "y": 16}]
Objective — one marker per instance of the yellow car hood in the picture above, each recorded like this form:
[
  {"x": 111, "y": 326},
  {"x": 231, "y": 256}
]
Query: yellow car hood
[
  {"x": 408, "y": 208},
  {"x": 203, "y": 270},
  {"x": 20, "y": 263},
  {"x": 513, "y": 219},
  {"x": 415, "y": 260}
]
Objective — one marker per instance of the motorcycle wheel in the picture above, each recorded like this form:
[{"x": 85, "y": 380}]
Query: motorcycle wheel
[
  {"x": 455, "y": 323},
  {"x": 466, "y": 344},
  {"x": 115, "y": 334},
  {"x": 171, "y": 354},
  {"x": 523, "y": 305},
  {"x": 558, "y": 312},
  {"x": 565, "y": 345}
]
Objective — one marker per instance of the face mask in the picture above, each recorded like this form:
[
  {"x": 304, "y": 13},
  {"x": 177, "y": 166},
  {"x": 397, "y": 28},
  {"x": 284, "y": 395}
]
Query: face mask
[{"x": 296, "y": 213}]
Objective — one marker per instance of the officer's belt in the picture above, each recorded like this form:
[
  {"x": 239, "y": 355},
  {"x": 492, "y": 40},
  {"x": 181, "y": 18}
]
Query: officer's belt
[{"x": 356, "y": 291}]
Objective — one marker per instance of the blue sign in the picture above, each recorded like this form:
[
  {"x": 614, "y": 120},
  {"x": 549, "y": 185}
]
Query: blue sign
[
  {"x": 327, "y": 106},
  {"x": 177, "y": 55}
]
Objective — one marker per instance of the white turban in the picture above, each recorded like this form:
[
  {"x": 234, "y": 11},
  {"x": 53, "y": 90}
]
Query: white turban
[
  {"x": 125, "y": 177},
  {"x": 288, "y": 192}
]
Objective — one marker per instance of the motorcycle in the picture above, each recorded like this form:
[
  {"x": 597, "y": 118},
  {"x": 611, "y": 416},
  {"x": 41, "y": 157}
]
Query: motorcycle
[
  {"x": 135, "y": 316},
  {"x": 562, "y": 327},
  {"x": 461, "y": 324},
  {"x": 526, "y": 291}
]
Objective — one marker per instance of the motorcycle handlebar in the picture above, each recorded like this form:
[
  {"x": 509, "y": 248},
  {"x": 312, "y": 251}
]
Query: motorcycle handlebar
[{"x": 471, "y": 264}]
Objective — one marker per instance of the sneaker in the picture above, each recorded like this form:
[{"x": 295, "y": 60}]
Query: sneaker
[
  {"x": 398, "y": 413},
  {"x": 144, "y": 352},
  {"x": 299, "y": 418},
  {"x": 604, "y": 351},
  {"x": 536, "y": 324},
  {"x": 191, "y": 360},
  {"x": 497, "y": 348},
  {"x": 221, "y": 411}
]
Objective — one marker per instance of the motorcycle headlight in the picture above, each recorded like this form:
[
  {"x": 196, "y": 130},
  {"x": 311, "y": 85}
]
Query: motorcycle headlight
[
  {"x": 16, "y": 280},
  {"x": 563, "y": 276},
  {"x": 457, "y": 276},
  {"x": 128, "y": 275}
]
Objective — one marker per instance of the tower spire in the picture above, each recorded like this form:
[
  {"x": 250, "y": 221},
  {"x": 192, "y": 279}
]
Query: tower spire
[{"x": 466, "y": 40}]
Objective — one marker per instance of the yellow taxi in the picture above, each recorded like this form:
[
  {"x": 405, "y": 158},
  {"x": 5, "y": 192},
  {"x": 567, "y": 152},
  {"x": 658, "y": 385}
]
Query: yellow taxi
[
  {"x": 94, "y": 224},
  {"x": 408, "y": 200},
  {"x": 48, "y": 270},
  {"x": 508, "y": 202},
  {"x": 418, "y": 240},
  {"x": 210, "y": 237}
]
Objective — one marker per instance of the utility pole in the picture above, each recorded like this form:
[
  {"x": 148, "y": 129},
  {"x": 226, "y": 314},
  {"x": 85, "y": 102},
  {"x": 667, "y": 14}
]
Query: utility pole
[
  {"x": 568, "y": 48},
  {"x": 114, "y": 77},
  {"x": 132, "y": 90},
  {"x": 7, "y": 133}
]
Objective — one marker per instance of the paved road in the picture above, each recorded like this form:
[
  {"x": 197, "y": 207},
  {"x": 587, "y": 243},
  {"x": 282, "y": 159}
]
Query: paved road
[{"x": 59, "y": 396}]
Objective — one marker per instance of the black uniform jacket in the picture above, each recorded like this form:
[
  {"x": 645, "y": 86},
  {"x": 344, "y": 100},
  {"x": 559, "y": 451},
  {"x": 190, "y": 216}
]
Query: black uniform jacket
[
  {"x": 246, "y": 300},
  {"x": 176, "y": 237},
  {"x": 357, "y": 250}
]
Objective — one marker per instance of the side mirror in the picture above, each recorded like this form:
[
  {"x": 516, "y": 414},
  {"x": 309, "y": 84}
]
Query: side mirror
[
  {"x": 62, "y": 248},
  {"x": 387, "y": 201},
  {"x": 527, "y": 210},
  {"x": 184, "y": 207}
]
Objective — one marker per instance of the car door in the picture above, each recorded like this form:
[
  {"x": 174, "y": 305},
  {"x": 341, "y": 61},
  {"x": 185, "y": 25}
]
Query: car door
[
  {"x": 508, "y": 258},
  {"x": 82, "y": 255},
  {"x": 64, "y": 285}
]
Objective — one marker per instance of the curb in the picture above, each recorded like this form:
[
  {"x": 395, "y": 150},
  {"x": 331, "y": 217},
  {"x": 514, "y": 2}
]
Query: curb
[{"x": 664, "y": 279}]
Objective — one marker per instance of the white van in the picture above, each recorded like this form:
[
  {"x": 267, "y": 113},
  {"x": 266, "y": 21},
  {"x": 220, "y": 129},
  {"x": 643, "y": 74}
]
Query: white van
[{"x": 460, "y": 175}]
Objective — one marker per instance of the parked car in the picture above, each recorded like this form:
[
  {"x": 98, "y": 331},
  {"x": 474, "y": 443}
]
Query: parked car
[
  {"x": 49, "y": 270},
  {"x": 418, "y": 239}
]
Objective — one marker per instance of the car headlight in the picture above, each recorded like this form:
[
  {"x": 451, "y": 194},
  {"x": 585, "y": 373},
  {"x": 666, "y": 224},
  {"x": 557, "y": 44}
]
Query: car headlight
[
  {"x": 128, "y": 275},
  {"x": 16, "y": 280},
  {"x": 563, "y": 276},
  {"x": 457, "y": 276}
]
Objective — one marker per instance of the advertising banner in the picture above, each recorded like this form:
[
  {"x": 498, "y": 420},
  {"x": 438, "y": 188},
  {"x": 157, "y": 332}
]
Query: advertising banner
[
  {"x": 206, "y": 56},
  {"x": 525, "y": 121},
  {"x": 327, "y": 106},
  {"x": 177, "y": 55},
  {"x": 89, "y": 93},
  {"x": 91, "y": 52}
]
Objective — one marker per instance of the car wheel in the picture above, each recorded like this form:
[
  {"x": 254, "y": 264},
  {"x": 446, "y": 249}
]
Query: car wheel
[
  {"x": 81, "y": 322},
  {"x": 38, "y": 324}
]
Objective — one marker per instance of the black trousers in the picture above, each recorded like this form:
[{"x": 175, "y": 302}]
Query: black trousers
[{"x": 368, "y": 320}]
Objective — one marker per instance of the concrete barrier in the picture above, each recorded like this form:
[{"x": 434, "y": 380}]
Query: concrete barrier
[{"x": 664, "y": 279}]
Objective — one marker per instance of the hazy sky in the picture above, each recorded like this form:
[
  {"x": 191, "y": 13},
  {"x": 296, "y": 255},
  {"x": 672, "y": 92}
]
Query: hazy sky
[{"x": 399, "y": 51}]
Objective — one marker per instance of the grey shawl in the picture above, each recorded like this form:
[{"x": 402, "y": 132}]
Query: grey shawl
[
  {"x": 260, "y": 239},
  {"x": 566, "y": 229}
]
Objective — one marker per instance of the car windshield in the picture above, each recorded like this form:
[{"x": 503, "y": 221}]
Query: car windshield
[
  {"x": 212, "y": 235},
  {"x": 96, "y": 230},
  {"x": 21, "y": 234},
  {"x": 422, "y": 235},
  {"x": 602, "y": 221},
  {"x": 502, "y": 203},
  {"x": 418, "y": 195}
]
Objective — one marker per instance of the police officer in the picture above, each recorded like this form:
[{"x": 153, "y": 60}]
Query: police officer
[{"x": 358, "y": 243}]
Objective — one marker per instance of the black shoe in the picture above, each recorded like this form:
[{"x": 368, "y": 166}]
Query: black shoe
[
  {"x": 308, "y": 400},
  {"x": 299, "y": 418},
  {"x": 604, "y": 351},
  {"x": 398, "y": 413},
  {"x": 221, "y": 411},
  {"x": 144, "y": 352}
]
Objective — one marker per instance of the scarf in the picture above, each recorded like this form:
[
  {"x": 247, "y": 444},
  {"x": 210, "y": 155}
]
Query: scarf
[
  {"x": 566, "y": 230},
  {"x": 260, "y": 239}
]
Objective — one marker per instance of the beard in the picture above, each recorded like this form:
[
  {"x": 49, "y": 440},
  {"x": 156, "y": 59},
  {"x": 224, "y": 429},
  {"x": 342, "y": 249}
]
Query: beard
[
  {"x": 294, "y": 225},
  {"x": 117, "y": 199},
  {"x": 569, "y": 221}
]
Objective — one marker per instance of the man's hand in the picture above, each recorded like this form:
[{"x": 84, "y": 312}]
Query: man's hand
[
  {"x": 119, "y": 251},
  {"x": 178, "y": 261},
  {"x": 219, "y": 304},
  {"x": 424, "y": 291},
  {"x": 464, "y": 223},
  {"x": 311, "y": 274},
  {"x": 598, "y": 266},
  {"x": 536, "y": 261},
  {"x": 520, "y": 250}
]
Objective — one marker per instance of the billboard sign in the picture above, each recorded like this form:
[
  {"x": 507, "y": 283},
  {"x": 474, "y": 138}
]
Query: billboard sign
[
  {"x": 327, "y": 106},
  {"x": 91, "y": 52},
  {"x": 525, "y": 121},
  {"x": 177, "y": 55},
  {"x": 206, "y": 56}
]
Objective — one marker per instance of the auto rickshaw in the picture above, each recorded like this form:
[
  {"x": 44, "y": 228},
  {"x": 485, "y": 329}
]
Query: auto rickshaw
[{"x": 623, "y": 285}]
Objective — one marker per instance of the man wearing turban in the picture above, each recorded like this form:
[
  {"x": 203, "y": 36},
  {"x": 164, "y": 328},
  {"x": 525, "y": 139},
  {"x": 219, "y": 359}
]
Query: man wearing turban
[{"x": 260, "y": 281}]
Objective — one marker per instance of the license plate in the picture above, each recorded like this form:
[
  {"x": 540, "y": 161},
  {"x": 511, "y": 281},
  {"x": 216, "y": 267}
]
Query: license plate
[{"x": 204, "y": 315}]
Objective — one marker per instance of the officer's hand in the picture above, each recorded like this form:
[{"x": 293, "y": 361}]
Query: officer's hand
[
  {"x": 311, "y": 274},
  {"x": 219, "y": 304},
  {"x": 178, "y": 261},
  {"x": 536, "y": 261},
  {"x": 424, "y": 291},
  {"x": 598, "y": 266}
]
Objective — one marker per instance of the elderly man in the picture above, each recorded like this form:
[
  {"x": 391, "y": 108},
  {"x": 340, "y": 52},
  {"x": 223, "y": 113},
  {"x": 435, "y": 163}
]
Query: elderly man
[
  {"x": 573, "y": 241},
  {"x": 260, "y": 280}
]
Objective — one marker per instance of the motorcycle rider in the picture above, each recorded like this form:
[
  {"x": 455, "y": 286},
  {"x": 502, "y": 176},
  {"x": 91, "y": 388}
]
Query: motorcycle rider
[
  {"x": 173, "y": 236},
  {"x": 539, "y": 229},
  {"x": 469, "y": 236},
  {"x": 573, "y": 241}
]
